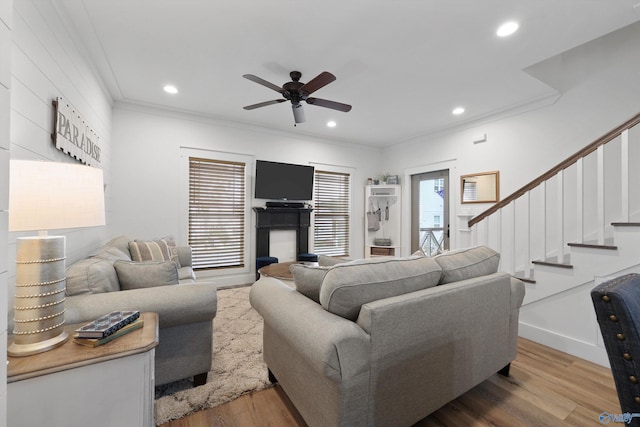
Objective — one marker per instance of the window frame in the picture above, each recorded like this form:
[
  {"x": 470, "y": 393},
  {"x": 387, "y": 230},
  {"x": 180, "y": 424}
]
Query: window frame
[
  {"x": 186, "y": 154},
  {"x": 332, "y": 169}
]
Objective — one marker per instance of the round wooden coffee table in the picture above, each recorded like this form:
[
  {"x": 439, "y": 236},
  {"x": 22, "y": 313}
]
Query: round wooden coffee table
[{"x": 281, "y": 270}]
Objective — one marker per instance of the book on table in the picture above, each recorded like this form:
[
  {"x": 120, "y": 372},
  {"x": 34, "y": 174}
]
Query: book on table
[
  {"x": 107, "y": 324},
  {"x": 95, "y": 342}
]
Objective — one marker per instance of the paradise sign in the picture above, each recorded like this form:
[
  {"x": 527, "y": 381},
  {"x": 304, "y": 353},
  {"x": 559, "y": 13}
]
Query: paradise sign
[{"x": 73, "y": 135}]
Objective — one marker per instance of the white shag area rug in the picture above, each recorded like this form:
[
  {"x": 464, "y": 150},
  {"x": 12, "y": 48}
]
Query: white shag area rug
[{"x": 237, "y": 366}]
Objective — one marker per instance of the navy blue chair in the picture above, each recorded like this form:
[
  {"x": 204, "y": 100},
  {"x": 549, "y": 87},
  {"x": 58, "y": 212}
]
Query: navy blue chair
[{"x": 617, "y": 306}]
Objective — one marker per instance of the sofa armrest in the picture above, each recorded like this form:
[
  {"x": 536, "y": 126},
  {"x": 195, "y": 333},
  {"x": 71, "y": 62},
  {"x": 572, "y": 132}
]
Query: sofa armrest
[
  {"x": 334, "y": 346},
  {"x": 185, "y": 256},
  {"x": 175, "y": 304}
]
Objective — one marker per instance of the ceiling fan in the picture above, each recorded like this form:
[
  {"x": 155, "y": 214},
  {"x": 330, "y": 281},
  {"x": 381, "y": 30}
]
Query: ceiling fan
[{"x": 296, "y": 92}]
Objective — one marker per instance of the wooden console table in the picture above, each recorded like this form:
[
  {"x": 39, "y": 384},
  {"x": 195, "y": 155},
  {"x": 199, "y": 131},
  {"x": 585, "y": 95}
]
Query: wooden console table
[{"x": 74, "y": 385}]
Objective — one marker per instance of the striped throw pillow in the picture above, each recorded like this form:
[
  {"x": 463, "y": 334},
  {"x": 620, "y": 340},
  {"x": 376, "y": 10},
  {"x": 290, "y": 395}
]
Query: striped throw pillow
[{"x": 152, "y": 250}]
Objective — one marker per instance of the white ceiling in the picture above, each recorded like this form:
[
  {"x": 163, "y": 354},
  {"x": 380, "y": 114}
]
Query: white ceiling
[{"x": 403, "y": 64}]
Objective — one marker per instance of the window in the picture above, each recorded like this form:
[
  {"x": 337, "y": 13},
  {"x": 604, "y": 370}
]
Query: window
[
  {"x": 217, "y": 213},
  {"x": 332, "y": 222}
]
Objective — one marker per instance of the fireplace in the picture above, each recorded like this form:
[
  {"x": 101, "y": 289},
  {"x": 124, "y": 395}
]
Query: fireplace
[{"x": 267, "y": 219}]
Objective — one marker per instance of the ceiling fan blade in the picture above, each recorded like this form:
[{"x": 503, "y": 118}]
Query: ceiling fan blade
[
  {"x": 263, "y": 82},
  {"x": 263, "y": 104},
  {"x": 329, "y": 104},
  {"x": 321, "y": 80}
]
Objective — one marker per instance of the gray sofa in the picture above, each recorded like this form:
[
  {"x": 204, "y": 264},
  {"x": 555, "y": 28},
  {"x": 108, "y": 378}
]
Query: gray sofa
[
  {"x": 385, "y": 342},
  {"x": 110, "y": 281}
]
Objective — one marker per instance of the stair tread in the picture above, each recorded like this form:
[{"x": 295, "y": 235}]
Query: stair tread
[
  {"x": 524, "y": 279},
  {"x": 593, "y": 246},
  {"x": 552, "y": 264},
  {"x": 625, "y": 224}
]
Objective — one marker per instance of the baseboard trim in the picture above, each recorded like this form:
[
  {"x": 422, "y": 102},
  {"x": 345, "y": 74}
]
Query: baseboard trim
[{"x": 581, "y": 349}]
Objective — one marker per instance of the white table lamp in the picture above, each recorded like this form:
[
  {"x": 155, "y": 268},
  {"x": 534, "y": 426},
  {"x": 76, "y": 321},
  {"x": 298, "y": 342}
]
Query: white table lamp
[{"x": 47, "y": 196}]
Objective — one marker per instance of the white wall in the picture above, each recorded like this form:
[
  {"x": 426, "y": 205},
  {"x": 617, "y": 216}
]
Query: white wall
[
  {"x": 6, "y": 14},
  {"x": 600, "y": 89},
  {"x": 147, "y": 175}
]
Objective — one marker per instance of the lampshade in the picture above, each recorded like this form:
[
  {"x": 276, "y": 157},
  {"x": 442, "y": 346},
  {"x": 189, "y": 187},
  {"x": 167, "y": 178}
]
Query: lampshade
[
  {"x": 49, "y": 196},
  {"x": 46, "y": 196}
]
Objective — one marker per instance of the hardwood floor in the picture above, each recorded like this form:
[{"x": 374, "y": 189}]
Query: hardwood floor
[{"x": 545, "y": 388}]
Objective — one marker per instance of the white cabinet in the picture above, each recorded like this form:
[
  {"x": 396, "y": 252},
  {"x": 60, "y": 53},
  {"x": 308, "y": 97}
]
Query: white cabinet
[
  {"x": 116, "y": 392},
  {"x": 382, "y": 220},
  {"x": 74, "y": 385}
]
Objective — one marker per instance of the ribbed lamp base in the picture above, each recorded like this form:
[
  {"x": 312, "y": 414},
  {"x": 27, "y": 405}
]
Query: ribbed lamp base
[
  {"x": 19, "y": 350},
  {"x": 40, "y": 295}
]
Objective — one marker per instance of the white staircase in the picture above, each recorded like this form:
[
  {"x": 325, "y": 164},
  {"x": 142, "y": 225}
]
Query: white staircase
[{"x": 566, "y": 231}]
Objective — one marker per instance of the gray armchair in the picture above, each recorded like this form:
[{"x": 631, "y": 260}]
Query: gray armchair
[
  {"x": 96, "y": 285},
  {"x": 617, "y": 306}
]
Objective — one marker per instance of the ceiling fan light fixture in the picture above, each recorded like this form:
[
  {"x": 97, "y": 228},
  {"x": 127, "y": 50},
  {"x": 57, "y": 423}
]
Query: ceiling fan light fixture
[{"x": 298, "y": 113}]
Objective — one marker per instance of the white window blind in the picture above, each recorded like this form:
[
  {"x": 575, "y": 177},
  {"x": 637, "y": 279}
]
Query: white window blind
[
  {"x": 331, "y": 232},
  {"x": 216, "y": 213}
]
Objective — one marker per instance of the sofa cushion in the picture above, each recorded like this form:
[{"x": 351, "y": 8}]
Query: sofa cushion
[
  {"x": 467, "y": 263},
  {"x": 91, "y": 276},
  {"x": 308, "y": 279},
  {"x": 346, "y": 287},
  {"x": 186, "y": 274},
  {"x": 146, "y": 274},
  {"x": 419, "y": 252},
  {"x": 121, "y": 243},
  {"x": 113, "y": 254},
  {"x": 152, "y": 250},
  {"x": 328, "y": 261}
]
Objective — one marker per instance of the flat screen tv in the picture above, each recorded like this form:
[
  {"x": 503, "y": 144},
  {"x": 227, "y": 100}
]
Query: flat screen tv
[{"x": 283, "y": 181}]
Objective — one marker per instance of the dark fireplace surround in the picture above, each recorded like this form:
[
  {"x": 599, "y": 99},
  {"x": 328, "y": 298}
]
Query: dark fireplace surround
[{"x": 268, "y": 219}]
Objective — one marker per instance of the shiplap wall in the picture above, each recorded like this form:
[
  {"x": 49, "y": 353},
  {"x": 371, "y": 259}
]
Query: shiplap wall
[
  {"x": 46, "y": 62},
  {"x": 6, "y": 12}
]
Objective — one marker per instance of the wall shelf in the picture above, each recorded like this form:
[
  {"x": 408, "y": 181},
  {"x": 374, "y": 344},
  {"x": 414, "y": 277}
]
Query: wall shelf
[{"x": 387, "y": 200}]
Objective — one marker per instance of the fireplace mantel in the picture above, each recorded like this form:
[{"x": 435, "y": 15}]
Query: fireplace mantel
[{"x": 268, "y": 219}]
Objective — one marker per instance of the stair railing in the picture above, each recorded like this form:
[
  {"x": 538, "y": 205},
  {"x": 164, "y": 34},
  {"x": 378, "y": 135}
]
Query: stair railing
[{"x": 488, "y": 227}]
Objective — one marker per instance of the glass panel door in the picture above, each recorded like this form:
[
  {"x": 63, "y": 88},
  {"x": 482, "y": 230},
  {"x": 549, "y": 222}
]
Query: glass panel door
[{"x": 430, "y": 212}]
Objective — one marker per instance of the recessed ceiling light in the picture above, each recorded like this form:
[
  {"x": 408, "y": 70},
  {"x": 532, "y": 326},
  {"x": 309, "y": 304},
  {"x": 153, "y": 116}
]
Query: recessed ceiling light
[
  {"x": 507, "y": 29},
  {"x": 331, "y": 124},
  {"x": 458, "y": 110},
  {"x": 171, "y": 89}
]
